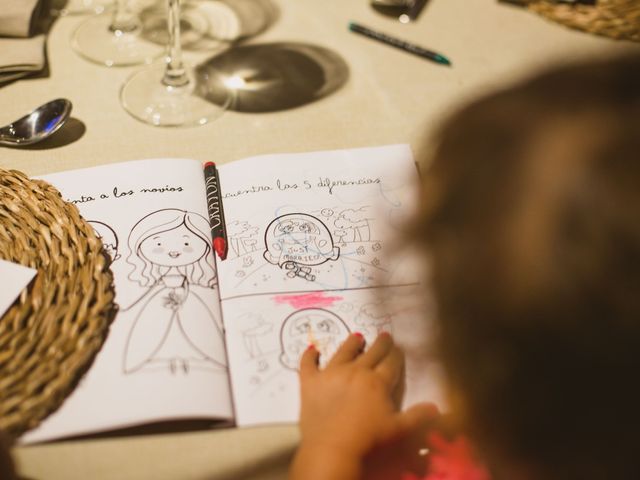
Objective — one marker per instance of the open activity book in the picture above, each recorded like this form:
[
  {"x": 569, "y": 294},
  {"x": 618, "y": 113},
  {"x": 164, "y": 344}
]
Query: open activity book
[{"x": 310, "y": 239}]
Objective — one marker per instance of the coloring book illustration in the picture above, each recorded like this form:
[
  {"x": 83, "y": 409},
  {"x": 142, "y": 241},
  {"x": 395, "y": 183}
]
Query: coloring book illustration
[
  {"x": 310, "y": 326},
  {"x": 109, "y": 238},
  {"x": 242, "y": 238},
  {"x": 267, "y": 335},
  {"x": 265, "y": 349},
  {"x": 297, "y": 241},
  {"x": 173, "y": 328},
  {"x": 320, "y": 248}
]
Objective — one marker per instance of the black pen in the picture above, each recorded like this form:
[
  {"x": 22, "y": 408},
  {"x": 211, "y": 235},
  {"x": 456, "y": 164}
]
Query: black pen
[{"x": 401, "y": 44}]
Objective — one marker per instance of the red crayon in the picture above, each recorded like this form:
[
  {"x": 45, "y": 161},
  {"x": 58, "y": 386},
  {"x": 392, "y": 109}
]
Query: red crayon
[
  {"x": 216, "y": 212},
  {"x": 220, "y": 246}
]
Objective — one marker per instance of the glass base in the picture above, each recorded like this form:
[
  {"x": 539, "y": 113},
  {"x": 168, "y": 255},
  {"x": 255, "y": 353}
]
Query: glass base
[
  {"x": 147, "y": 98},
  {"x": 79, "y": 7},
  {"x": 96, "y": 41}
]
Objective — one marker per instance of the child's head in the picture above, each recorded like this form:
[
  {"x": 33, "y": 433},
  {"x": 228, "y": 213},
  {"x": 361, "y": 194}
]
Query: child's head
[{"x": 532, "y": 223}]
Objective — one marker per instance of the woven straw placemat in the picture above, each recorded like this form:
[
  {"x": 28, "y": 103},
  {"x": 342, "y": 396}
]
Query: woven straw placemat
[
  {"x": 51, "y": 334},
  {"x": 619, "y": 19}
]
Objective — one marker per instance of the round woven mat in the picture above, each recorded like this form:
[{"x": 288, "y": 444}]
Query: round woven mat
[
  {"x": 50, "y": 335},
  {"x": 619, "y": 19}
]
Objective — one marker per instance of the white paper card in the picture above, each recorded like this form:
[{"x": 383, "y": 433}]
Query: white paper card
[{"x": 13, "y": 279}]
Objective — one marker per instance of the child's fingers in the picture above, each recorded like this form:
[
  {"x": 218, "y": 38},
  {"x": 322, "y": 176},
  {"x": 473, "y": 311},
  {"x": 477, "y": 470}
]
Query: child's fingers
[
  {"x": 350, "y": 349},
  {"x": 397, "y": 393},
  {"x": 309, "y": 362},
  {"x": 377, "y": 351},
  {"x": 391, "y": 367}
]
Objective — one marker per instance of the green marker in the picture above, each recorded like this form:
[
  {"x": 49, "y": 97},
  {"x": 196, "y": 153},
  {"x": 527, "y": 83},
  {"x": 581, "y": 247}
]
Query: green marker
[{"x": 401, "y": 44}]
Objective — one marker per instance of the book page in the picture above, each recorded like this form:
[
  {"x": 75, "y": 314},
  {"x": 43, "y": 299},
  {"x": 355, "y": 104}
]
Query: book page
[
  {"x": 164, "y": 357},
  {"x": 315, "y": 221},
  {"x": 311, "y": 259},
  {"x": 267, "y": 335}
]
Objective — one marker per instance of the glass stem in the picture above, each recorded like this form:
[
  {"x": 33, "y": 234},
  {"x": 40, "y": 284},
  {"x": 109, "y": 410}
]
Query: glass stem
[
  {"x": 124, "y": 20},
  {"x": 175, "y": 74}
]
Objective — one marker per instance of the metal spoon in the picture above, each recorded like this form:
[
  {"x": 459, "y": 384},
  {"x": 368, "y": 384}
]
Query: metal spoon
[{"x": 37, "y": 125}]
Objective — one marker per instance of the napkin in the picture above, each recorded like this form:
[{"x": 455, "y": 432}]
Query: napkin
[
  {"x": 19, "y": 56},
  {"x": 15, "y": 17}
]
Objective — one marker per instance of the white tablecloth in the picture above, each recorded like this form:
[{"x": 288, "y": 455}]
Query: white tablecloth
[{"x": 390, "y": 97}]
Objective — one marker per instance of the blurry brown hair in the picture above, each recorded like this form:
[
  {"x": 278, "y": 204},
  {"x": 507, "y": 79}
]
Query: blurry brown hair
[{"x": 532, "y": 223}]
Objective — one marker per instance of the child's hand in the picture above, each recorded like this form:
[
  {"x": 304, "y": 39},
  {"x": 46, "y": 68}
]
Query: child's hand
[{"x": 351, "y": 407}]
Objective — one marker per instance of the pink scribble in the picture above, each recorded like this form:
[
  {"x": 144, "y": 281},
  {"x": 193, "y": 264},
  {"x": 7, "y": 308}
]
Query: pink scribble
[{"x": 306, "y": 300}]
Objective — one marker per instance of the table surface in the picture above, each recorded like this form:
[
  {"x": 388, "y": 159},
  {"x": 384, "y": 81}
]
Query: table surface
[{"x": 390, "y": 97}]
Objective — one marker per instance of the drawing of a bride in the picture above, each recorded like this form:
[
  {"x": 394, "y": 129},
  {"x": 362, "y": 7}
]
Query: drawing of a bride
[{"x": 174, "y": 328}]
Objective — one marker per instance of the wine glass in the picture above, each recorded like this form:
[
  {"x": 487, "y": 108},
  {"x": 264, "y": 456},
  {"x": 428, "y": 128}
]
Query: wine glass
[
  {"x": 171, "y": 94},
  {"x": 115, "y": 39}
]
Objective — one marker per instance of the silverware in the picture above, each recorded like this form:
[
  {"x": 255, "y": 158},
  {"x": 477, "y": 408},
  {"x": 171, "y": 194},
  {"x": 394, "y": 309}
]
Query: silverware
[{"x": 37, "y": 125}]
